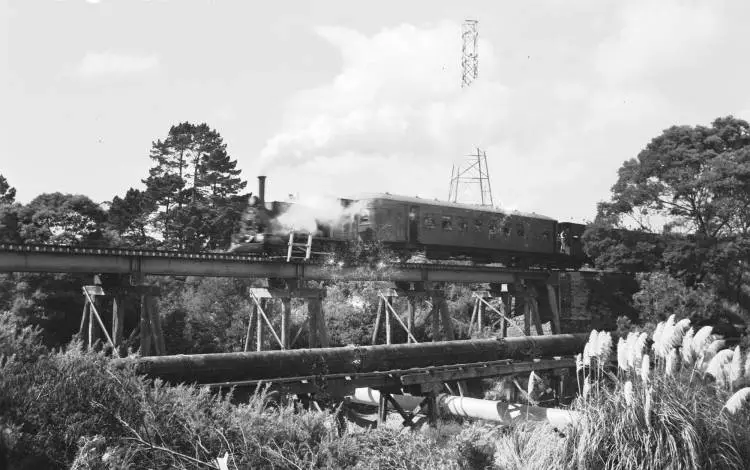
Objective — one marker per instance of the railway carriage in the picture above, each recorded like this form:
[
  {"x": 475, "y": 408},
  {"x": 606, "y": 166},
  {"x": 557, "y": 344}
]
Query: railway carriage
[
  {"x": 438, "y": 229},
  {"x": 448, "y": 230}
]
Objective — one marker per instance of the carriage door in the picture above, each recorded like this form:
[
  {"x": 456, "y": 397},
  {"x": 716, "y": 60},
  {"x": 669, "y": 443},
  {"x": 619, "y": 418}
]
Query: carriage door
[{"x": 413, "y": 224}]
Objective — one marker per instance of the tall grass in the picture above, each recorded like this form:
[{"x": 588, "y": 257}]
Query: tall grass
[{"x": 678, "y": 404}]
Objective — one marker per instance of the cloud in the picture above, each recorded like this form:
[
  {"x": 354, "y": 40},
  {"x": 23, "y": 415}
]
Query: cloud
[
  {"x": 653, "y": 36},
  {"x": 398, "y": 93},
  {"x": 395, "y": 118},
  {"x": 109, "y": 64}
]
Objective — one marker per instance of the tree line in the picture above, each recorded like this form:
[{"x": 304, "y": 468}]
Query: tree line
[
  {"x": 193, "y": 200},
  {"x": 679, "y": 211},
  {"x": 682, "y": 208}
]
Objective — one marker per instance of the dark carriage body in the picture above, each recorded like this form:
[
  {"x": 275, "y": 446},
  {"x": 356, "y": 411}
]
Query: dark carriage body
[
  {"x": 447, "y": 230},
  {"x": 410, "y": 225}
]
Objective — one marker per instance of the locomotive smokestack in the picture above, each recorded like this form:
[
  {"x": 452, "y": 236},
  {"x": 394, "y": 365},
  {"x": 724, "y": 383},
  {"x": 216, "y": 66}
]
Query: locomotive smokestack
[{"x": 262, "y": 189}]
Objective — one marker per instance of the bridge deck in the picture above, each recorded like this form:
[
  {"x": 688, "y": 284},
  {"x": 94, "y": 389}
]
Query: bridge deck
[{"x": 58, "y": 259}]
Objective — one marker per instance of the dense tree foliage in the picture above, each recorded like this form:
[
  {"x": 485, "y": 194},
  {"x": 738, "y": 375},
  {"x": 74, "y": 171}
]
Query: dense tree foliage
[
  {"x": 7, "y": 193},
  {"x": 688, "y": 196},
  {"x": 194, "y": 189},
  {"x": 8, "y": 213},
  {"x": 128, "y": 219}
]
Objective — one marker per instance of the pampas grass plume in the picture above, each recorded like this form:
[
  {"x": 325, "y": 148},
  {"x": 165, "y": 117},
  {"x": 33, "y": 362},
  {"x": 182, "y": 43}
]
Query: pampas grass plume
[
  {"x": 700, "y": 340},
  {"x": 586, "y": 386},
  {"x": 713, "y": 349},
  {"x": 656, "y": 336},
  {"x": 678, "y": 332},
  {"x": 622, "y": 354},
  {"x": 717, "y": 365},
  {"x": 673, "y": 362},
  {"x": 736, "y": 401},
  {"x": 645, "y": 368},
  {"x": 686, "y": 350},
  {"x": 735, "y": 368},
  {"x": 531, "y": 385},
  {"x": 636, "y": 354},
  {"x": 604, "y": 347}
]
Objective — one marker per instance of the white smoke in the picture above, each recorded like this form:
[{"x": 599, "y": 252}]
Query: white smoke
[{"x": 307, "y": 213}]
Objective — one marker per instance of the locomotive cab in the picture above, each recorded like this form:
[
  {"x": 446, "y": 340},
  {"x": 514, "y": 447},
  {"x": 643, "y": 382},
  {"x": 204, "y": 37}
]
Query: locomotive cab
[{"x": 569, "y": 239}]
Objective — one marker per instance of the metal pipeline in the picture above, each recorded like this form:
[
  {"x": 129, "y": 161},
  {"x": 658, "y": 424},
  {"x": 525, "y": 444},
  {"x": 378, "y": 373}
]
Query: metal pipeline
[
  {"x": 497, "y": 411},
  {"x": 265, "y": 365}
]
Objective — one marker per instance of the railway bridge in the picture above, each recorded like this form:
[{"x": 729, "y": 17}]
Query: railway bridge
[
  {"x": 422, "y": 370},
  {"x": 531, "y": 292}
]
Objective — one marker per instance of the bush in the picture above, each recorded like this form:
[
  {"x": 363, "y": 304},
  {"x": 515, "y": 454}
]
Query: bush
[{"x": 79, "y": 409}]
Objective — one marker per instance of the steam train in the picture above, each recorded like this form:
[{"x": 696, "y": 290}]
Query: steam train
[{"x": 408, "y": 226}]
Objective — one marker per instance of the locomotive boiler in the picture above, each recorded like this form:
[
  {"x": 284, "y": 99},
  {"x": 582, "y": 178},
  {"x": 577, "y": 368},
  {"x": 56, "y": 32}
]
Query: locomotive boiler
[{"x": 408, "y": 226}]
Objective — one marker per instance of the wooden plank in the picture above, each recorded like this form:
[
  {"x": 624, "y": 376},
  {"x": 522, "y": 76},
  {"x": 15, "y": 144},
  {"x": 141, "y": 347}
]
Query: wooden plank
[
  {"x": 259, "y": 328},
  {"x": 411, "y": 308},
  {"x": 286, "y": 322},
  {"x": 94, "y": 290},
  {"x": 145, "y": 328},
  {"x": 387, "y": 312},
  {"x": 156, "y": 329},
  {"x": 118, "y": 319},
  {"x": 298, "y": 293},
  {"x": 552, "y": 297},
  {"x": 377, "y": 322},
  {"x": 250, "y": 324},
  {"x": 535, "y": 315}
]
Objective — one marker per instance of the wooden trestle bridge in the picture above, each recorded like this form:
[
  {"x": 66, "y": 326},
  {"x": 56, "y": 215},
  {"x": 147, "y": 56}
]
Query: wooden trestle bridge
[{"x": 534, "y": 293}]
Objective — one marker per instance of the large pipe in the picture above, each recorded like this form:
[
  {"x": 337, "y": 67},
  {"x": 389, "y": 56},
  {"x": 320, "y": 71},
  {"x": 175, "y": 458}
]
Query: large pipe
[
  {"x": 264, "y": 365},
  {"x": 497, "y": 411},
  {"x": 262, "y": 189}
]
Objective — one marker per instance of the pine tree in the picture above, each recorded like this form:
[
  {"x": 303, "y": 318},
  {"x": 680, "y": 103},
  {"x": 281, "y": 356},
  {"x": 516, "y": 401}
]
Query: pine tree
[
  {"x": 195, "y": 188},
  {"x": 7, "y": 193}
]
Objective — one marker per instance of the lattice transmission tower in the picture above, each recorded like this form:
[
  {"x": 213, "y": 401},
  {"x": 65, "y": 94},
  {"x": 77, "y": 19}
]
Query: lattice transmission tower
[
  {"x": 469, "y": 55},
  {"x": 472, "y": 173}
]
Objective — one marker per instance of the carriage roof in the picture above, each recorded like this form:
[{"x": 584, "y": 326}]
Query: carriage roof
[{"x": 436, "y": 202}]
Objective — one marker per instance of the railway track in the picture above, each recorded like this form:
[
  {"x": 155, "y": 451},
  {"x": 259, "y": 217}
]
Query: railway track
[{"x": 64, "y": 258}]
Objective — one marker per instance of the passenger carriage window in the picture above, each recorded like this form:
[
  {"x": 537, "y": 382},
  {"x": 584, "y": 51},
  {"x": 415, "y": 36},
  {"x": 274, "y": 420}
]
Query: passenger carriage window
[
  {"x": 506, "y": 231},
  {"x": 493, "y": 228},
  {"x": 478, "y": 225},
  {"x": 447, "y": 223},
  {"x": 429, "y": 222},
  {"x": 520, "y": 231},
  {"x": 463, "y": 226}
]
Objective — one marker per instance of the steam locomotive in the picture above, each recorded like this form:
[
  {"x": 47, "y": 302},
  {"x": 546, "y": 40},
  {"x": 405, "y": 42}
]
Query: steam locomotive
[{"x": 408, "y": 226}]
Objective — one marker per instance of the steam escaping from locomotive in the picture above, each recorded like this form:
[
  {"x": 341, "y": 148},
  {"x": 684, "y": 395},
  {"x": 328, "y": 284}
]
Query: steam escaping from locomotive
[{"x": 308, "y": 213}]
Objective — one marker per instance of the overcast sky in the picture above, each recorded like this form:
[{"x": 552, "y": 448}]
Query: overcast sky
[{"x": 345, "y": 96}]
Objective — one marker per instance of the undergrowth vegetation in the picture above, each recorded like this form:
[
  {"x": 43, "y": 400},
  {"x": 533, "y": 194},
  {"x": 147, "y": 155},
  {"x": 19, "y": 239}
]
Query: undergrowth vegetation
[
  {"x": 76, "y": 409},
  {"x": 674, "y": 399}
]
